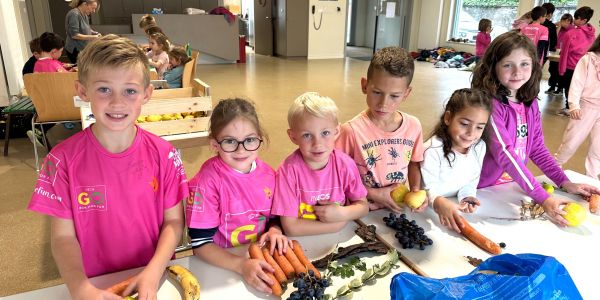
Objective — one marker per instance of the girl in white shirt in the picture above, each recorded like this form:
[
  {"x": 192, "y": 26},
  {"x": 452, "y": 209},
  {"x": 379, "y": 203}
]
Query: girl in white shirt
[{"x": 454, "y": 154}]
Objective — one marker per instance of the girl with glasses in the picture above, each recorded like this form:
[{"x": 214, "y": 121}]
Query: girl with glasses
[{"x": 230, "y": 197}]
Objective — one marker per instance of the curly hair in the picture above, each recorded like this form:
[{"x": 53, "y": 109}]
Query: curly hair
[{"x": 394, "y": 60}]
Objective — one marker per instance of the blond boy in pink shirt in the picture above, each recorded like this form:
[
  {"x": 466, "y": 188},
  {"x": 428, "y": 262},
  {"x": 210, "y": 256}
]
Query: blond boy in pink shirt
[
  {"x": 317, "y": 189},
  {"x": 385, "y": 143}
]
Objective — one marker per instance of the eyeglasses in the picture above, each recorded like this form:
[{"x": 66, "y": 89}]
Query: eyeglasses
[{"x": 232, "y": 145}]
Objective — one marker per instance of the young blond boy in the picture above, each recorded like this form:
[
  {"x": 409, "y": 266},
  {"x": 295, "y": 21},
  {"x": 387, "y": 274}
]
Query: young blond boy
[
  {"x": 385, "y": 143},
  {"x": 317, "y": 189},
  {"x": 114, "y": 191}
]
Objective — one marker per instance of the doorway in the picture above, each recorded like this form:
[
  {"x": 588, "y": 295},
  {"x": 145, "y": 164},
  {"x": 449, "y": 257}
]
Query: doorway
[{"x": 375, "y": 24}]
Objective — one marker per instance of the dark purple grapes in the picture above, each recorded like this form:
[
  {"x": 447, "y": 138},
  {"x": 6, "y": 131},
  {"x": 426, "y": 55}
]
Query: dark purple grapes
[
  {"x": 409, "y": 234},
  {"x": 309, "y": 287}
]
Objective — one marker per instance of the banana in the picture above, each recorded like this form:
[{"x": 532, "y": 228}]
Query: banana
[{"x": 187, "y": 281}]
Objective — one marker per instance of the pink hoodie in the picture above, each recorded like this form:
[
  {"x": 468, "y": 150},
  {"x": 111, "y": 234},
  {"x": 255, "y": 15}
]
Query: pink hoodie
[
  {"x": 561, "y": 36},
  {"x": 585, "y": 82},
  {"x": 577, "y": 40}
]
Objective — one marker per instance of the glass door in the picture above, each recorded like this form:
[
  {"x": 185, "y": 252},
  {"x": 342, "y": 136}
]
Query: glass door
[{"x": 392, "y": 23}]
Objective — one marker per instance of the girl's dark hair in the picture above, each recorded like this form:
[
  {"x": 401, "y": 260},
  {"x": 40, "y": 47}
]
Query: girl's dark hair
[
  {"x": 50, "y": 41},
  {"x": 459, "y": 100},
  {"x": 229, "y": 109},
  {"x": 567, "y": 16},
  {"x": 161, "y": 40},
  {"x": 484, "y": 76},
  {"x": 596, "y": 45},
  {"x": 484, "y": 24},
  {"x": 179, "y": 54}
]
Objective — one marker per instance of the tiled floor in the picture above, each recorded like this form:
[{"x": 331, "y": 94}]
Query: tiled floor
[{"x": 272, "y": 83}]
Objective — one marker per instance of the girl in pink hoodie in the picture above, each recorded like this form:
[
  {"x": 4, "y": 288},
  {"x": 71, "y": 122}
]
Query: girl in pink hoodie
[{"x": 584, "y": 110}]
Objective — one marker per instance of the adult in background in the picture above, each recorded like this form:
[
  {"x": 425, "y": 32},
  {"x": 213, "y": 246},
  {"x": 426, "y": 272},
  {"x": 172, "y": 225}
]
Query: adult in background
[{"x": 77, "y": 26}]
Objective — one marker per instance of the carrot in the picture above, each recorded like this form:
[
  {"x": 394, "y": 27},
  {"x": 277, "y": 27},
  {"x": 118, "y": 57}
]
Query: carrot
[
  {"x": 293, "y": 259},
  {"x": 302, "y": 258},
  {"x": 119, "y": 287},
  {"x": 256, "y": 253},
  {"x": 478, "y": 239},
  {"x": 285, "y": 265},
  {"x": 278, "y": 271},
  {"x": 594, "y": 203}
]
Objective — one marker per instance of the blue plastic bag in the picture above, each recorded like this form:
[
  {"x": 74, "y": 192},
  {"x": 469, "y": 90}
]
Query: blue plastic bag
[{"x": 521, "y": 276}]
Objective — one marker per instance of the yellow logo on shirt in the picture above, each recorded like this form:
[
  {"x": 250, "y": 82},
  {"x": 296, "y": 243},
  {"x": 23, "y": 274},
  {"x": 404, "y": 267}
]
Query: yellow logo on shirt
[
  {"x": 84, "y": 198},
  {"x": 268, "y": 192},
  {"x": 249, "y": 237},
  {"x": 306, "y": 211}
]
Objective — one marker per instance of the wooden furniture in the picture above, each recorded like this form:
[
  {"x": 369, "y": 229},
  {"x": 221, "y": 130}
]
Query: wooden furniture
[
  {"x": 22, "y": 107},
  {"x": 52, "y": 96},
  {"x": 189, "y": 70}
]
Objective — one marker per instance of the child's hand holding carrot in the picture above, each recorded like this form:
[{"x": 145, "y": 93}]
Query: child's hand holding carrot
[{"x": 277, "y": 240}]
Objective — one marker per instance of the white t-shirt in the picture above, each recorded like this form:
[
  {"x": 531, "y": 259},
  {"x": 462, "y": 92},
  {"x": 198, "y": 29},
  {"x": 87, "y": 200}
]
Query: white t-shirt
[{"x": 459, "y": 179}]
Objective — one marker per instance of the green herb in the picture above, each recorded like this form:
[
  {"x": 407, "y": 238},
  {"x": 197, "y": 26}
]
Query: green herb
[{"x": 346, "y": 270}]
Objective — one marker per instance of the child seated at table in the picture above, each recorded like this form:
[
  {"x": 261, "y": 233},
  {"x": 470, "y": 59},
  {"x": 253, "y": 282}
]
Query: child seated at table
[
  {"x": 232, "y": 194},
  {"x": 174, "y": 72},
  {"x": 454, "y": 154},
  {"x": 52, "y": 47},
  {"x": 114, "y": 190},
  {"x": 318, "y": 189},
  {"x": 158, "y": 56},
  {"x": 385, "y": 143},
  {"x": 36, "y": 50}
]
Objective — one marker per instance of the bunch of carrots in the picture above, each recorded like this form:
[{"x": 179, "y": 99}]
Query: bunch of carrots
[{"x": 286, "y": 266}]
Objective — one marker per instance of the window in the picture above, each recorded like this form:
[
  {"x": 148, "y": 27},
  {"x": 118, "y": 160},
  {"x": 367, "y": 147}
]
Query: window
[
  {"x": 502, "y": 13},
  {"x": 561, "y": 7}
]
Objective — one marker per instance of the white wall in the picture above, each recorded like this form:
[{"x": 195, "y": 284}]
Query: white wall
[
  {"x": 329, "y": 40},
  {"x": 14, "y": 31},
  {"x": 431, "y": 17}
]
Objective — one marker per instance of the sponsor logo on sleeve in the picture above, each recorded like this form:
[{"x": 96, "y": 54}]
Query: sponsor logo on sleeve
[
  {"x": 49, "y": 169},
  {"x": 48, "y": 194}
]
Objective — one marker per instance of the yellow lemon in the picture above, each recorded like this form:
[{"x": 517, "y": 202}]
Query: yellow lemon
[
  {"x": 415, "y": 199},
  {"x": 575, "y": 214},
  {"x": 548, "y": 187},
  {"x": 153, "y": 118},
  {"x": 189, "y": 117},
  {"x": 140, "y": 119},
  {"x": 398, "y": 194}
]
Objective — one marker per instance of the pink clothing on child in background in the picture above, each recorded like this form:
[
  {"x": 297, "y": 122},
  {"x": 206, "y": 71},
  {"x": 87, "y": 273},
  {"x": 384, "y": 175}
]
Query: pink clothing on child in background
[
  {"x": 162, "y": 57},
  {"x": 561, "y": 36},
  {"x": 576, "y": 42},
  {"x": 382, "y": 157},
  {"x": 48, "y": 65},
  {"x": 535, "y": 32},
  {"x": 298, "y": 187},
  {"x": 238, "y": 204},
  {"x": 584, "y": 94},
  {"x": 482, "y": 42},
  {"x": 115, "y": 200}
]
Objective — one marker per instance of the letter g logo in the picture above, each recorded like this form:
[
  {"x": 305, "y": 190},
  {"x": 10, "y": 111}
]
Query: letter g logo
[{"x": 83, "y": 199}]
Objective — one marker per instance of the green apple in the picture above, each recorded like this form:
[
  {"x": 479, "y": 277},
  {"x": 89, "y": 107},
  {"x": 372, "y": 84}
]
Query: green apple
[
  {"x": 548, "y": 187},
  {"x": 415, "y": 199},
  {"x": 575, "y": 214},
  {"x": 398, "y": 194}
]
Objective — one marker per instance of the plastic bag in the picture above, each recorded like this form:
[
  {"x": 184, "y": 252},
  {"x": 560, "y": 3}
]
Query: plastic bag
[{"x": 521, "y": 276}]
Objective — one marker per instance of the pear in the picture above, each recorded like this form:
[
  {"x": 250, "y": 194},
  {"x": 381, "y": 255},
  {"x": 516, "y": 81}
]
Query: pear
[
  {"x": 398, "y": 194},
  {"x": 576, "y": 214},
  {"x": 415, "y": 199}
]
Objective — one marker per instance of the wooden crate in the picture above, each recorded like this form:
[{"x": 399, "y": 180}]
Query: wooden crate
[{"x": 177, "y": 105}]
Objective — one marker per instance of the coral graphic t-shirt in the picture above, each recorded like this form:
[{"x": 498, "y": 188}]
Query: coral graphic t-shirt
[
  {"x": 299, "y": 187},
  {"x": 382, "y": 157},
  {"x": 115, "y": 200},
  {"x": 238, "y": 204},
  {"x": 520, "y": 145}
]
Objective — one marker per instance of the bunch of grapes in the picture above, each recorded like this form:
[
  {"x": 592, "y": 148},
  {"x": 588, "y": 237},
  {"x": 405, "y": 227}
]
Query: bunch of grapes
[
  {"x": 408, "y": 233},
  {"x": 309, "y": 287}
]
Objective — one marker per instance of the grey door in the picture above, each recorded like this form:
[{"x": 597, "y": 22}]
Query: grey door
[{"x": 263, "y": 27}]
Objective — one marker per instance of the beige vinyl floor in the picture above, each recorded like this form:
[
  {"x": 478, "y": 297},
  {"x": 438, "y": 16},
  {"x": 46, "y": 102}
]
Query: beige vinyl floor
[{"x": 272, "y": 83}]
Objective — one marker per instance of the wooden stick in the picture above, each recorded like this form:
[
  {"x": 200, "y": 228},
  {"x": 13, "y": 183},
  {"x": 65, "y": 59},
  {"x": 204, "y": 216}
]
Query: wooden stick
[{"x": 411, "y": 265}]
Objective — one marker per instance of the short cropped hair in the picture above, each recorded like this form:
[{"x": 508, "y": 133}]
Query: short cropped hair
[
  {"x": 484, "y": 24},
  {"x": 584, "y": 12},
  {"x": 394, "y": 60},
  {"x": 112, "y": 51},
  {"x": 313, "y": 104},
  {"x": 50, "y": 41},
  {"x": 549, "y": 8},
  {"x": 538, "y": 12},
  {"x": 34, "y": 46}
]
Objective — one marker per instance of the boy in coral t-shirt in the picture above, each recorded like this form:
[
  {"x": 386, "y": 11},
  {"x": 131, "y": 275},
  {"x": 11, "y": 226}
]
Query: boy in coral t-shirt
[
  {"x": 114, "y": 191},
  {"x": 317, "y": 188},
  {"x": 385, "y": 143}
]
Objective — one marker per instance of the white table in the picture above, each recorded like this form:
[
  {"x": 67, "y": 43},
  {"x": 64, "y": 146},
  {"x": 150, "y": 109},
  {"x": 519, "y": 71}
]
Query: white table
[
  {"x": 218, "y": 283},
  {"x": 576, "y": 248}
]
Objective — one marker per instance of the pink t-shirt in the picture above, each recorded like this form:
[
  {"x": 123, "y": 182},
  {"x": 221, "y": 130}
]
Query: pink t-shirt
[
  {"x": 48, "y": 65},
  {"x": 382, "y": 157},
  {"x": 535, "y": 32},
  {"x": 116, "y": 201},
  {"x": 238, "y": 204},
  {"x": 162, "y": 57},
  {"x": 299, "y": 188},
  {"x": 520, "y": 145}
]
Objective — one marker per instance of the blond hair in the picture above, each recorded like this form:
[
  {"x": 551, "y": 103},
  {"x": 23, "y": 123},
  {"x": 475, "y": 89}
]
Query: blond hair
[
  {"x": 147, "y": 21},
  {"x": 314, "y": 104},
  {"x": 112, "y": 51},
  {"x": 161, "y": 40}
]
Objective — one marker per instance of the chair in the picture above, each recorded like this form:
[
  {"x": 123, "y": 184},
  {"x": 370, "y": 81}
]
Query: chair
[
  {"x": 22, "y": 107},
  {"x": 189, "y": 70},
  {"x": 52, "y": 96}
]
